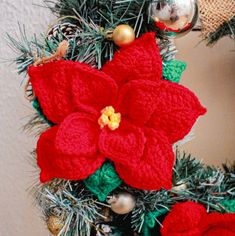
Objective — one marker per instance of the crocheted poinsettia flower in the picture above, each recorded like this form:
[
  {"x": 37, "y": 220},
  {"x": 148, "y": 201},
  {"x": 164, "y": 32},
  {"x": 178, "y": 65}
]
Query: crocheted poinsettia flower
[
  {"x": 191, "y": 219},
  {"x": 125, "y": 113}
]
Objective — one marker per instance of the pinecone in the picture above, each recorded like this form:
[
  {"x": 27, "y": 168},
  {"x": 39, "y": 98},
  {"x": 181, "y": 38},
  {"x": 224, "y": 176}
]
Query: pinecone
[
  {"x": 70, "y": 32},
  {"x": 64, "y": 31}
]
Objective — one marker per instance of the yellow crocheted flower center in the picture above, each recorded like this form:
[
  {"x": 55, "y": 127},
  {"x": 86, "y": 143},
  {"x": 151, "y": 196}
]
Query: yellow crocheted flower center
[{"x": 110, "y": 118}]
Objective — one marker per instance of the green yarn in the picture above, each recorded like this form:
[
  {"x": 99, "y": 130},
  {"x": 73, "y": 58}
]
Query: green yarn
[
  {"x": 172, "y": 70},
  {"x": 103, "y": 181},
  {"x": 37, "y": 107},
  {"x": 146, "y": 231},
  {"x": 229, "y": 205},
  {"x": 150, "y": 220}
]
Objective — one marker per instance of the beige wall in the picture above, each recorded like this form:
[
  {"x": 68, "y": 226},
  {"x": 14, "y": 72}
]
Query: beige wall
[
  {"x": 18, "y": 216},
  {"x": 211, "y": 74}
]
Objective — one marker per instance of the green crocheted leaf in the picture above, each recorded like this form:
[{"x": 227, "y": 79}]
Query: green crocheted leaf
[
  {"x": 150, "y": 220},
  {"x": 229, "y": 205},
  {"x": 172, "y": 70},
  {"x": 103, "y": 181}
]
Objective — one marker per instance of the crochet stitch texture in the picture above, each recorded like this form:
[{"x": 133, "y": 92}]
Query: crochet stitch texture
[
  {"x": 191, "y": 219},
  {"x": 154, "y": 114},
  {"x": 103, "y": 181},
  {"x": 173, "y": 70}
]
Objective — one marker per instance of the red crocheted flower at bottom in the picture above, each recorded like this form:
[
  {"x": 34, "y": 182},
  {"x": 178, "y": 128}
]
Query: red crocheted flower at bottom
[{"x": 191, "y": 219}]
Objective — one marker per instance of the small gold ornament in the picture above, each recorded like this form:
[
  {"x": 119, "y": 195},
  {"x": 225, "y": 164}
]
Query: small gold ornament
[
  {"x": 123, "y": 35},
  {"x": 55, "y": 224},
  {"x": 122, "y": 203}
]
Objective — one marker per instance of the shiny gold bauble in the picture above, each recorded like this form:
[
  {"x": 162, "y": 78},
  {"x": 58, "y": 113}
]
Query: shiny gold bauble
[
  {"x": 122, "y": 203},
  {"x": 55, "y": 224},
  {"x": 123, "y": 35}
]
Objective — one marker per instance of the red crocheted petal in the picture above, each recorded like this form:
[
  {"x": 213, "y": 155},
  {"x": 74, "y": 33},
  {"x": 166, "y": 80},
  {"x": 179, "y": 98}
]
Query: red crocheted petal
[
  {"x": 57, "y": 165},
  {"x": 78, "y": 135},
  {"x": 154, "y": 169},
  {"x": 93, "y": 90},
  {"x": 138, "y": 100},
  {"x": 176, "y": 112},
  {"x": 184, "y": 220},
  {"x": 216, "y": 224},
  {"x": 217, "y": 231},
  {"x": 139, "y": 60},
  {"x": 52, "y": 86},
  {"x": 161, "y": 105},
  {"x": 124, "y": 145},
  {"x": 44, "y": 160}
]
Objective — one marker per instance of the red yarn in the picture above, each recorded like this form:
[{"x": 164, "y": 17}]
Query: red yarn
[
  {"x": 92, "y": 90},
  {"x": 165, "y": 106},
  {"x": 177, "y": 110},
  {"x": 183, "y": 220},
  {"x": 53, "y": 88},
  {"x": 217, "y": 224},
  {"x": 191, "y": 219},
  {"x": 154, "y": 114},
  {"x": 78, "y": 135},
  {"x": 154, "y": 169},
  {"x": 124, "y": 145},
  {"x": 139, "y": 60},
  {"x": 54, "y": 164}
]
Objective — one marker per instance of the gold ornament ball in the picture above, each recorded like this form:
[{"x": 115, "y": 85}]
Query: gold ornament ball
[
  {"x": 123, "y": 35},
  {"x": 55, "y": 224},
  {"x": 122, "y": 203}
]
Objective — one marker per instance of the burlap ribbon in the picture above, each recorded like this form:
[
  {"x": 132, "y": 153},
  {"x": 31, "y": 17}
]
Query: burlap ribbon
[{"x": 213, "y": 13}]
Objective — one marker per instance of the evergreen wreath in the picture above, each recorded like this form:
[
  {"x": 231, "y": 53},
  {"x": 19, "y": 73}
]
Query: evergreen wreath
[{"x": 110, "y": 113}]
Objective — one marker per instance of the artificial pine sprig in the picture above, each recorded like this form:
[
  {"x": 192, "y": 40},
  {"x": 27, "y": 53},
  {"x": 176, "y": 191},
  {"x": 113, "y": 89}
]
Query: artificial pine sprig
[
  {"x": 90, "y": 45},
  {"x": 212, "y": 187},
  {"x": 70, "y": 201},
  {"x": 226, "y": 29},
  {"x": 25, "y": 49},
  {"x": 83, "y": 47},
  {"x": 207, "y": 185}
]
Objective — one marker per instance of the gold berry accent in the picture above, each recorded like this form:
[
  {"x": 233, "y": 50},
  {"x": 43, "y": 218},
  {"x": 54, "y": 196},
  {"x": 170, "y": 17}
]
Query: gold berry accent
[{"x": 123, "y": 35}]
